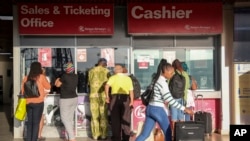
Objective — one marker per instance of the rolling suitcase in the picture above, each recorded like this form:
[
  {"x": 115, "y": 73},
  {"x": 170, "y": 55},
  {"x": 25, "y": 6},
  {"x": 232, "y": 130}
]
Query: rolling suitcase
[
  {"x": 204, "y": 117},
  {"x": 189, "y": 131}
]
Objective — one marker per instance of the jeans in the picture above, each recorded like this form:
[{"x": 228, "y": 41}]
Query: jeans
[
  {"x": 155, "y": 114},
  {"x": 34, "y": 114}
]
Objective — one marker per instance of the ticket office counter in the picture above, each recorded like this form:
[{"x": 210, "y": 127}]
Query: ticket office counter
[{"x": 53, "y": 127}]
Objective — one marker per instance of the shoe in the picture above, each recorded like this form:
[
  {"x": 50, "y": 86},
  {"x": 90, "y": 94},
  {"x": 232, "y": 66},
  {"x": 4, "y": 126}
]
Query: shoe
[
  {"x": 95, "y": 138},
  {"x": 132, "y": 133},
  {"x": 41, "y": 139},
  {"x": 104, "y": 138}
]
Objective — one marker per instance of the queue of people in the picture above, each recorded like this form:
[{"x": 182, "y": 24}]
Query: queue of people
[{"x": 112, "y": 93}]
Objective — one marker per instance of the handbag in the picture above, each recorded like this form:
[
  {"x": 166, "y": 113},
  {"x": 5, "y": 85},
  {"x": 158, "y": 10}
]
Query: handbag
[
  {"x": 147, "y": 94},
  {"x": 31, "y": 89},
  {"x": 20, "y": 112}
]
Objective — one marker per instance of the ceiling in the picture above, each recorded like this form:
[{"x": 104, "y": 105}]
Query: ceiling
[{"x": 6, "y": 41}]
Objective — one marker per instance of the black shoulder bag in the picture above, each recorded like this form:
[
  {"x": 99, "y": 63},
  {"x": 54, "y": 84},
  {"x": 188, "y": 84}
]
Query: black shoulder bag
[{"x": 148, "y": 93}]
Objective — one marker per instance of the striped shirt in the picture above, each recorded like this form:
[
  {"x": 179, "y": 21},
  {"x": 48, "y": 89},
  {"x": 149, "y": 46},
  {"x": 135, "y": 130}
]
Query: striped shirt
[{"x": 162, "y": 95}]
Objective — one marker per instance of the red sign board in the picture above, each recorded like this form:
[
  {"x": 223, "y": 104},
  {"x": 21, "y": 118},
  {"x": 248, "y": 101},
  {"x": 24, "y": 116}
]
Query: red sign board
[
  {"x": 66, "y": 19},
  {"x": 45, "y": 57},
  {"x": 175, "y": 18}
]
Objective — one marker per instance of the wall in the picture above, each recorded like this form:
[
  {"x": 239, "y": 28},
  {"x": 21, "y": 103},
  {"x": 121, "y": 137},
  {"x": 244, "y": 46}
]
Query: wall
[
  {"x": 7, "y": 80},
  {"x": 226, "y": 55}
]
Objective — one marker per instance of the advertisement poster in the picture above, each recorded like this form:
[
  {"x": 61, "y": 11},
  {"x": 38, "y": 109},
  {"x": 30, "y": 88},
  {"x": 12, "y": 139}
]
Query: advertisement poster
[
  {"x": 138, "y": 115},
  {"x": 109, "y": 55},
  {"x": 45, "y": 57},
  {"x": 81, "y": 55},
  {"x": 143, "y": 61}
]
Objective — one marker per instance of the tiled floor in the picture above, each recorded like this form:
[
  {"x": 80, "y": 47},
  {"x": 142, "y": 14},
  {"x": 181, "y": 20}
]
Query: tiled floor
[{"x": 6, "y": 129}]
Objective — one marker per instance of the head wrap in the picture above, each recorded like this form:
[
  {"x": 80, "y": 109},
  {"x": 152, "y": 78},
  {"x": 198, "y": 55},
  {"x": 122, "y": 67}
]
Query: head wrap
[
  {"x": 184, "y": 66},
  {"x": 69, "y": 67}
]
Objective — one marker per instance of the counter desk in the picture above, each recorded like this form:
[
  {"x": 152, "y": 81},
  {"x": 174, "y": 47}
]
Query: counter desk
[{"x": 53, "y": 126}]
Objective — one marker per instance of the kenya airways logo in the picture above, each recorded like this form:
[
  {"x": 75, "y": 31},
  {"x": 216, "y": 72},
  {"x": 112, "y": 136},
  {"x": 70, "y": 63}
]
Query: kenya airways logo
[{"x": 139, "y": 111}]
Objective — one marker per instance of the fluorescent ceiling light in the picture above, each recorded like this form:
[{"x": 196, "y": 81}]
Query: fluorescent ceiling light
[
  {"x": 5, "y": 53},
  {"x": 6, "y": 18}
]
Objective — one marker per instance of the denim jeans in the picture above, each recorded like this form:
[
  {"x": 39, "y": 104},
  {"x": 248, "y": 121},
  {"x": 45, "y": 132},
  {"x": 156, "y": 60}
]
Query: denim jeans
[
  {"x": 177, "y": 114},
  {"x": 34, "y": 114},
  {"x": 155, "y": 114}
]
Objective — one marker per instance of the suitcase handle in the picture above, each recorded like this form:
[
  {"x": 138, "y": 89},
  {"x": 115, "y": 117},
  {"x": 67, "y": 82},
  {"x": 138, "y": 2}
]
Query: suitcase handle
[{"x": 197, "y": 97}]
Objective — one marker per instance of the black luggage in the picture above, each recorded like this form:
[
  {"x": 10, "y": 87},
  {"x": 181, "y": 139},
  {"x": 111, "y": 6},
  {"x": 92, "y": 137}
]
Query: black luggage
[
  {"x": 204, "y": 117},
  {"x": 189, "y": 131}
]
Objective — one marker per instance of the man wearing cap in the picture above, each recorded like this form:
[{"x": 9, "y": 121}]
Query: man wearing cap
[
  {"x": 97, "y": 78},
  {"x": 68, "y": 99}
]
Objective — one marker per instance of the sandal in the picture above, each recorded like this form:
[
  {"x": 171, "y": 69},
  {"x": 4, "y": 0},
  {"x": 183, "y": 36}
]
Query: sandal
[{"x": 41, "y": 139}]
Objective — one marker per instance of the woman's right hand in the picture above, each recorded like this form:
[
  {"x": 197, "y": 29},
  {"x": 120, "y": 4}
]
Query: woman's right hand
[{"x": 189, "y": 111}]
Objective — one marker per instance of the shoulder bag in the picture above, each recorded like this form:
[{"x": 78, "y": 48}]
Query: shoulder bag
[{"x": 147, "y": 94}]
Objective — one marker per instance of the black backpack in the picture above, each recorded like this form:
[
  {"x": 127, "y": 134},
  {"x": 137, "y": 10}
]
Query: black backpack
[
  {"x": 31, "y": 89},
  {"x": 177, "y": 85},
  {"x": 136, "y": 85}
]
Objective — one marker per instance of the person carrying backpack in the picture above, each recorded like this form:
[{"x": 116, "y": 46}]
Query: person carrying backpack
[
  {"x": 136, "y": 83},
  {"x": 178, "y": 85}
]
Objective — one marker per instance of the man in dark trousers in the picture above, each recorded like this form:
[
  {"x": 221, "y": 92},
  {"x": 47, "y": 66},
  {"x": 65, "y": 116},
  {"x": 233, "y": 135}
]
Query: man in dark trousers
[{"x": 121, "y": 102}]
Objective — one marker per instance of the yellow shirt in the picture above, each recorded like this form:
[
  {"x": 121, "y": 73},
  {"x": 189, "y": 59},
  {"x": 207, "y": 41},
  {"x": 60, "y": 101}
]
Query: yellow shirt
[{"x": 120, "y": 84}]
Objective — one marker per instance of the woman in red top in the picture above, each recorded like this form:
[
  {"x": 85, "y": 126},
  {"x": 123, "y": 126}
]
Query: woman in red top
[{"x": 35, "y": 105}]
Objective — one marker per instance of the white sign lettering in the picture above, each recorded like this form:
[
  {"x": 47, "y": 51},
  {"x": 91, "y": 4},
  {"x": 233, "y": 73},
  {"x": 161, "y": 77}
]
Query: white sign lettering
[
  {"x": 138, "y": 12},
  {"x": 36, "y": 22},
  {"x": 240, "y": 132}
]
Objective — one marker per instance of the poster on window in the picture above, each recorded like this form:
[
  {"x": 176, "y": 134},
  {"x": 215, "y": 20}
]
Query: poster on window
[
  {"x": 143, "y": 61},
  {"x": 81, "y": 55},
  {"x": 108, "y": 54},
  {"x": 44, "y": 57}
]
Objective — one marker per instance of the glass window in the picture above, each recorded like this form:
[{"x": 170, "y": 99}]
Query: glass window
[
  {"x": 52, "y": 59},
  {"x": 200, "y": 64},
  {"x": 113, "y": 55},
  {"x": 86, "y": 58}
]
